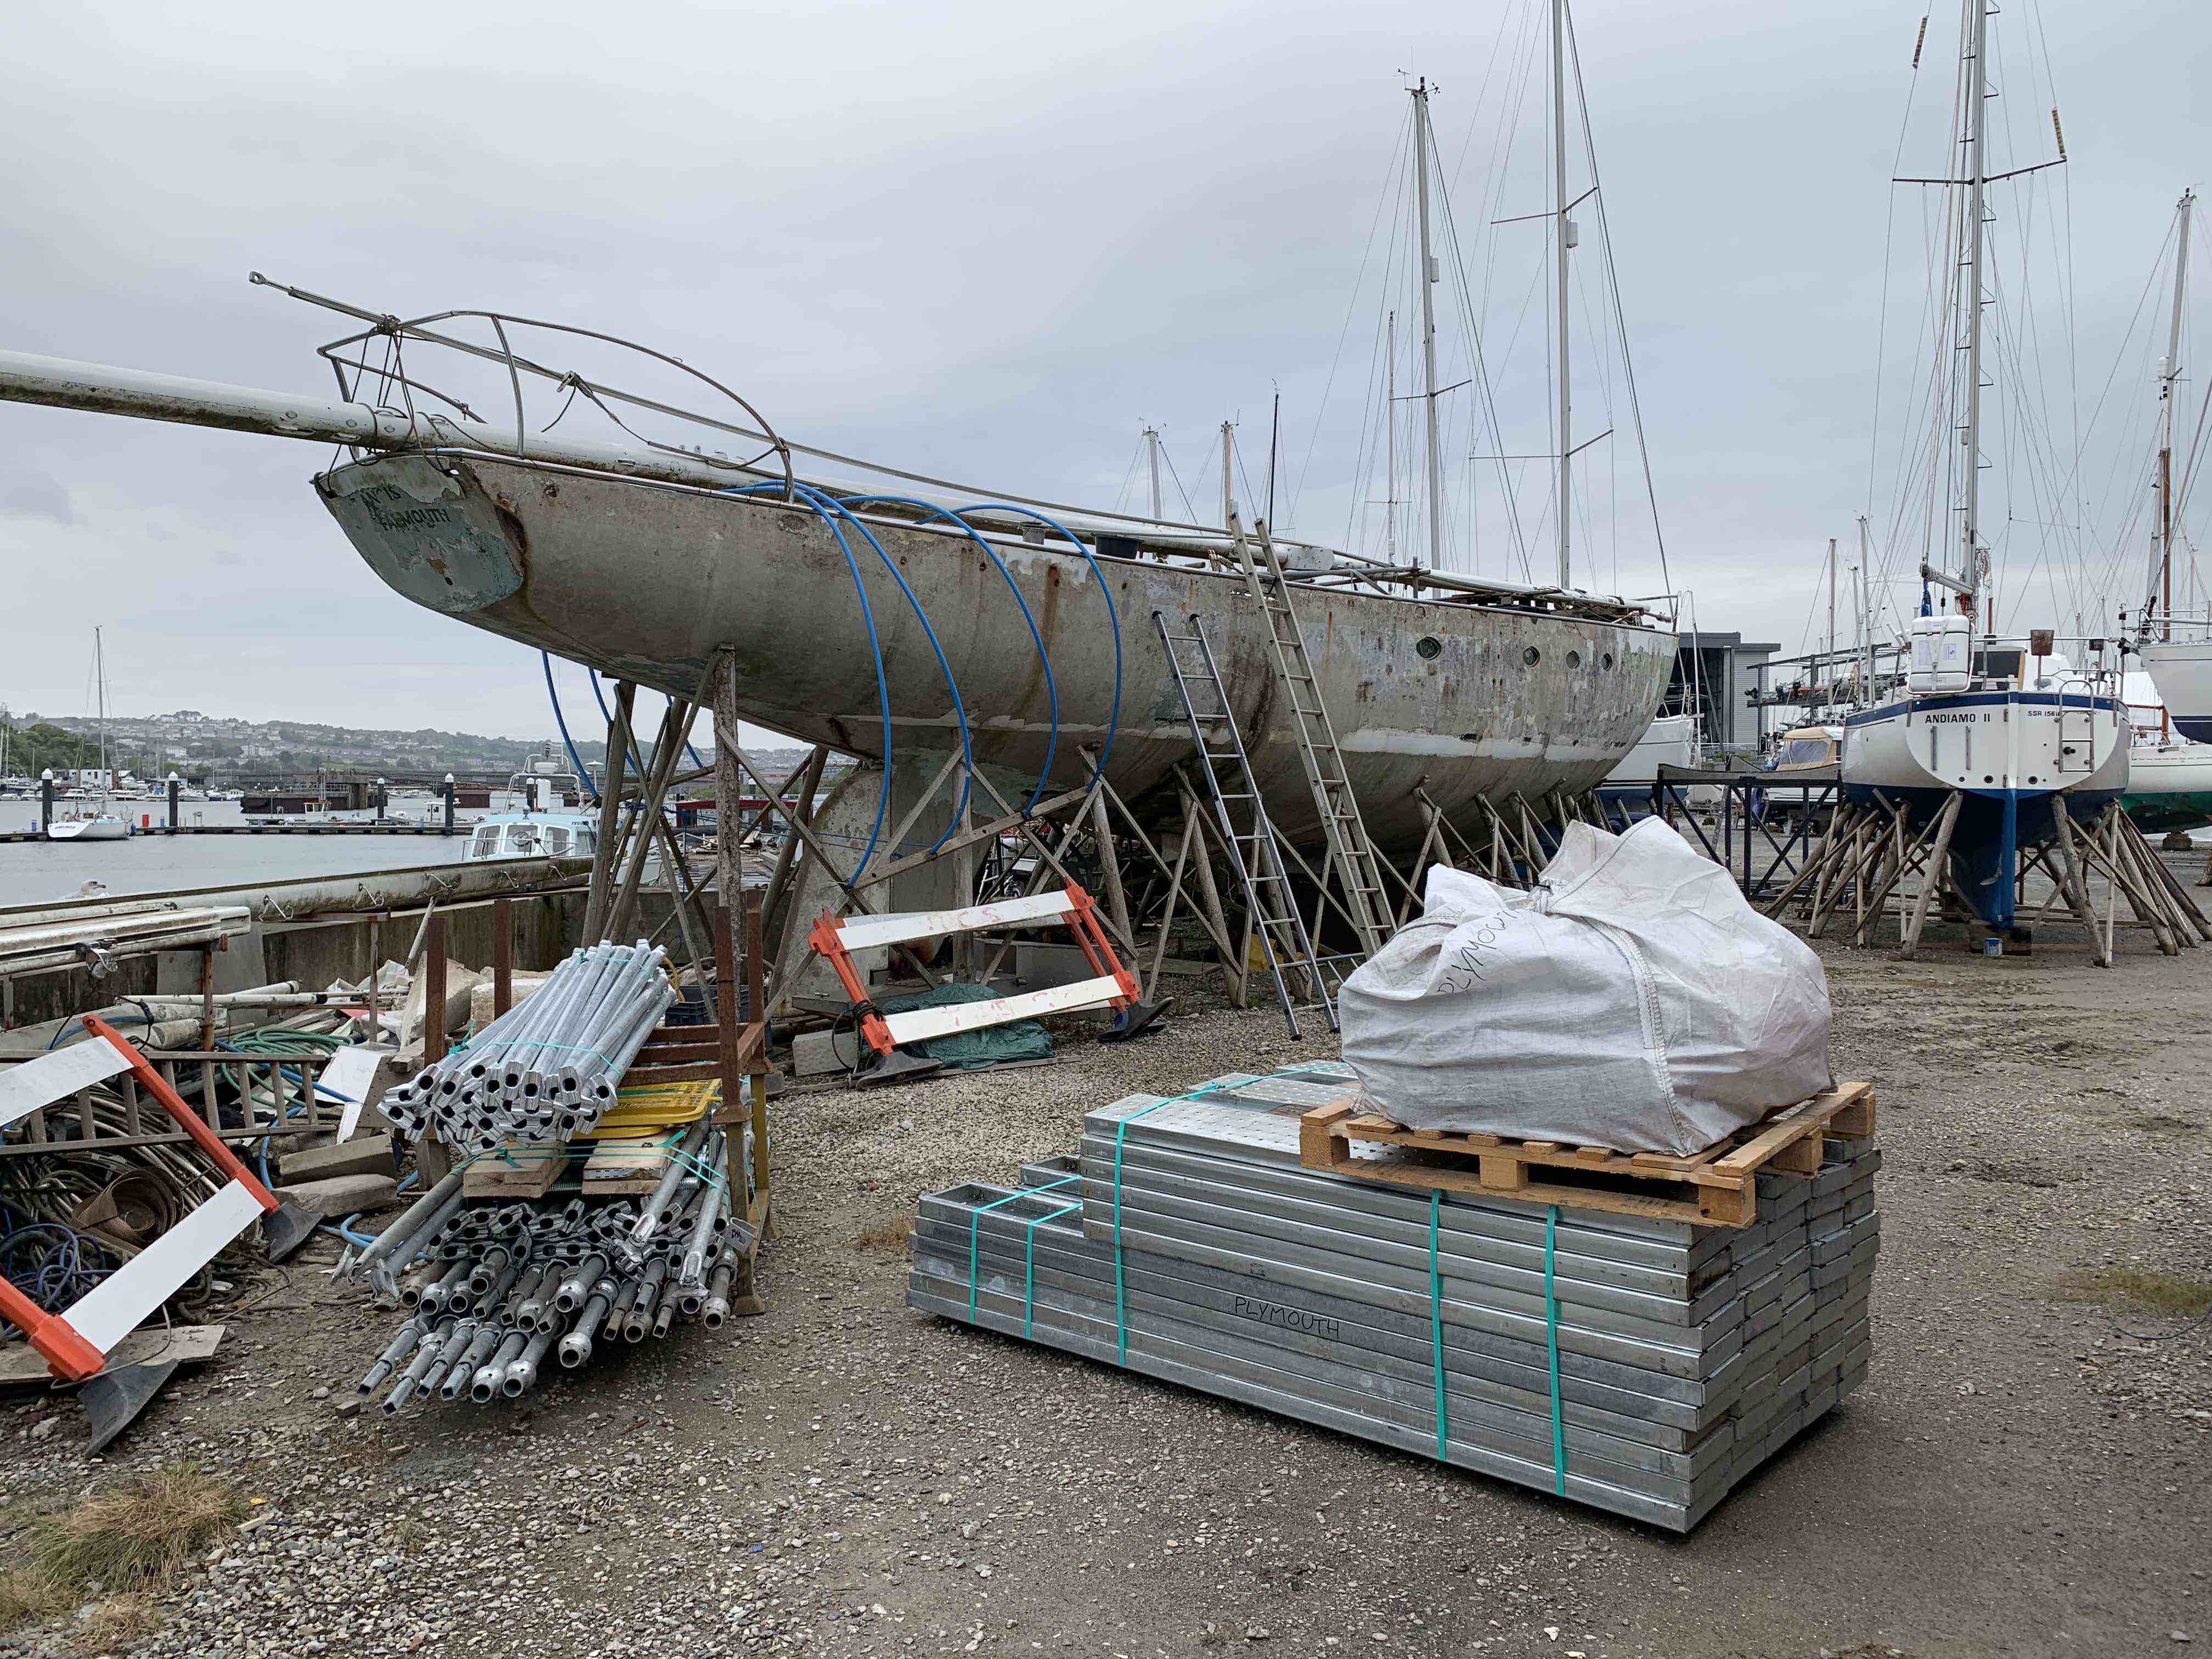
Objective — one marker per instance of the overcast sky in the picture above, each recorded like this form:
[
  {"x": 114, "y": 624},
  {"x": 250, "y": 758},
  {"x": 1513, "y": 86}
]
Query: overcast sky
[{"x": 987, "y": 240}]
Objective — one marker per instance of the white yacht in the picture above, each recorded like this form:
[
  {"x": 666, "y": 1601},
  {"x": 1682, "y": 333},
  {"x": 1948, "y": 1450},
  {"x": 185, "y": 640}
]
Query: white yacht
[{"x": 2004, "y": 724}]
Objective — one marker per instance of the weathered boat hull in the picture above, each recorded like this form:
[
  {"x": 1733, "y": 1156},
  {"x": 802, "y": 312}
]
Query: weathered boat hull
[{"x": 648, "y": 581}]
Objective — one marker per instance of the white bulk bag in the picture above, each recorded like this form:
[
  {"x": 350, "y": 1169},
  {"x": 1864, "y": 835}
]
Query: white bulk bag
[{"x": 1634, "y": 1000}]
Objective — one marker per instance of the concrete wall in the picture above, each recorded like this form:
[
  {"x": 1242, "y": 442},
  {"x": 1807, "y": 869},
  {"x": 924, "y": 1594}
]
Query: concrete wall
[{"x": 313, "y": 953}]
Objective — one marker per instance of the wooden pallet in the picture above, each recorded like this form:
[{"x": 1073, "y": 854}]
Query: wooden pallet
[
  {"x": 522, "y": 1169},
  {"x": 1715, "y": 1188}
]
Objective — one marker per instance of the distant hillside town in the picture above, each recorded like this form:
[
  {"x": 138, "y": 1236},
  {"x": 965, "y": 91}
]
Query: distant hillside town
[{"x": 191, "y": 743}]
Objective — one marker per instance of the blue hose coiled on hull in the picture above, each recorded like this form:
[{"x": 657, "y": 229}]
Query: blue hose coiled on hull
[
  {"x": 875, "y": 650},
  {"x": 1113, "y": 615},
  {"x": 583, "y": 773},
  {"x": 1051, "y": 687}
]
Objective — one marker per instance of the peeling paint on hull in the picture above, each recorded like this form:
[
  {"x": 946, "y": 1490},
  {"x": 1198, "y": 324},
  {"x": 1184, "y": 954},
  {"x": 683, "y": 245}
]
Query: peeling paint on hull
[{"x": 649, "y": 582}]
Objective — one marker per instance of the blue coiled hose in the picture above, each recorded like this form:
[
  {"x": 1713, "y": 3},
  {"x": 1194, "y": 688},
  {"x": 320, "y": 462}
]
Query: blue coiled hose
[
  {"x": 1051, "y": 688},
  {"x": 875, "y": 650},
  {"x": 825, "y": 503},
  {"x": 1113, "y": 615},
  {"x": 583, "y": 773}
]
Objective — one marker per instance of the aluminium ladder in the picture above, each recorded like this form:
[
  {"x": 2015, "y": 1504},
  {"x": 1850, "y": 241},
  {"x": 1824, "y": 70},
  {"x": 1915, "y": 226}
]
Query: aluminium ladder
[
  {"x": 1254, "y": 855},
  {"x": 1359, "y": 873}
]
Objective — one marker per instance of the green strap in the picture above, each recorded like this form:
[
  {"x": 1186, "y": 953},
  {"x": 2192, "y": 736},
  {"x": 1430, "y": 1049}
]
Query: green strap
[
  {"x": 1120, "y": 1287},
  {"x": 976, "y": 1223},
  {"x": 1436, "y": 1323},
  {"x": 698, "y": 1166},
  {"x": 1552, "y": 1323},
  {"x": 568, "y": 1048},
  {"x": 1029, "y": 1257}
]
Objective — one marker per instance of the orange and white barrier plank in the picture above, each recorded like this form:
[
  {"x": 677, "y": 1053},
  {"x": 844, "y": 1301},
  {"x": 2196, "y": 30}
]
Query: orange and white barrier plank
[{"x": 75, "y": 1342}]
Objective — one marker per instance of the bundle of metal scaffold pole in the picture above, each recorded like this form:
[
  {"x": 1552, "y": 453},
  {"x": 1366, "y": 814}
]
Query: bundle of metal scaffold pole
[
  {"x": 547, "y": 1069},
  {"x": 493, "y": 1287}
]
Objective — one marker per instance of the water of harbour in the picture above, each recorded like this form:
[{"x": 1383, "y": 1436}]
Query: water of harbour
[{"x": 35, "y": 873}]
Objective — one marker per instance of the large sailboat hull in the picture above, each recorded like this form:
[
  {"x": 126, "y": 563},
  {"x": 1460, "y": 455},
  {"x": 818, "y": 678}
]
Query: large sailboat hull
[
  {"x": 2182, "y": 671},
  {"x": 1452, "y": 702},
  {"x": 2010, "y": 755},
  {"x": 2169, "y": 787}
]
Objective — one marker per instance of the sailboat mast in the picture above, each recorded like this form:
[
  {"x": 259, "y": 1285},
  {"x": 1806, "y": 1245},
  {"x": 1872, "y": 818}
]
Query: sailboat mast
[
  {"x": 1390, "y": 438},
  {"x": 1561, "y": 240},
  {"x": 1153, "y": 449},
  {"x": 1428, "y": 274},
  {"x": 2168, "y": 372},
  {"x": 1832, "y": 610},
  {"x": 1975, "y": 85},
  {"x": 1866, "y": 622},
  {"x": 100, "y": 692},
  {"x": 1228, "y": 459}
]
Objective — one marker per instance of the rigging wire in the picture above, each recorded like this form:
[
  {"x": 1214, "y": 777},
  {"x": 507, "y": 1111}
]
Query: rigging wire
[
  {"x": 1351, "y": 309},
  {"x": 1613, "y": 283}
]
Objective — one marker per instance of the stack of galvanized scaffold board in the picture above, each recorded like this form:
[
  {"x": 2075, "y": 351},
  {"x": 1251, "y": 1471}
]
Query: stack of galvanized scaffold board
[{"x": 1641, "y": 1364}]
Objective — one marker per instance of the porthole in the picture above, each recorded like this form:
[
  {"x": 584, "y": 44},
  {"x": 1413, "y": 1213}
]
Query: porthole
[
  {"x": 1574, "y": 659},
  {"x": 1531, "y": 655},
  {"x": 1605, "y": 662},
  {"x": 1428, "y": 648}
]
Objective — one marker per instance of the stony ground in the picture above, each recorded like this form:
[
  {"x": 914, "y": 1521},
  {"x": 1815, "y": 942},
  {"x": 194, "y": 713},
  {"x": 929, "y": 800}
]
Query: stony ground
[{"x": 2022, "y": 1474}]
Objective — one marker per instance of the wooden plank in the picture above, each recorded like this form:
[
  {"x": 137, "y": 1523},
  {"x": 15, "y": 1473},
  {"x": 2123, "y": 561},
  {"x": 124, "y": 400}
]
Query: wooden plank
[
  {"x": 677, "y": 1054},
  {"x": 53, "y": 1076},
  {"x": 1035, "y": 910},
  {"x": 519, "y": 1170},
  {"x": 1807, "y": 1119},
  {"x": 644, "y": 1075},
  {"x": 21, "y": 1364},
  {"x": 1316, "y": 1141},
  {"x": 920, "y": 1025}
]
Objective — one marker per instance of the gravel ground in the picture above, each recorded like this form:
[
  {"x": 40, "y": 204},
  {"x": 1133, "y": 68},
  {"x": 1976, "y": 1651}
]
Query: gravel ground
[{"x": 2018, "y": 1475}]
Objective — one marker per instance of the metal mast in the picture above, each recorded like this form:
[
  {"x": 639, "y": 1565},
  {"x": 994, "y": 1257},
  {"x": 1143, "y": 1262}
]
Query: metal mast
[
  {"x": 1563, "y": 239},
  {"x": 2168, "y": 372},
  {"x": 1867, "y": 698},
  {"x": 1833, "y": 676},
  {"x": 1428, "y": 274},
  {"x": 1153, "y": 450},
  {"x": 1390, "y": 439},
  {"x": 1974, "y": 83},
  {"x": 1228, "y": 459}
]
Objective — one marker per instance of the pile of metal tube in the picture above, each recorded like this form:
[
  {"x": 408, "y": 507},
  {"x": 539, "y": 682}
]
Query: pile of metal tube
[
  {"x": 492, "y": 1287},
  {"x": 548, "y": 1068}
]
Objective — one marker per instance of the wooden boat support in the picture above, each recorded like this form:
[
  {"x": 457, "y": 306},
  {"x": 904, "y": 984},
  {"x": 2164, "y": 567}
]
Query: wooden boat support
[
  {"x": 1159, "y": 880},
  {"x": 1874, "y": 861}
]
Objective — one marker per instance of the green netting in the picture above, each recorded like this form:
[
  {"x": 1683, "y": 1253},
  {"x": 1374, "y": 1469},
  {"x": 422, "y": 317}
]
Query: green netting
[{"x": 1022, "y": 1039}]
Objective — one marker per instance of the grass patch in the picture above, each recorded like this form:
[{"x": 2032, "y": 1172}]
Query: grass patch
[
  {"x": 118, "y": 1625},
  {"x": 127, "y": 1543},
  {"x": 2139, "y": 1287},
  {"x": 25, "y": 1593},
  {"x": 890, "y": 1235}
]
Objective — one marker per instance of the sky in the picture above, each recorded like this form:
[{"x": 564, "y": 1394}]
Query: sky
[{"x": 985, "y": 241}]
